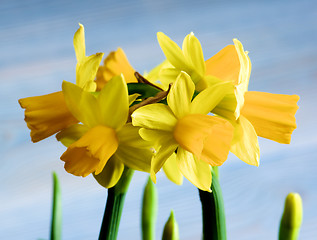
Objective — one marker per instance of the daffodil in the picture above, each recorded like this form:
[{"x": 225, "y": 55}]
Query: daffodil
[
  {"x": 251, "y": 113},
  {"x": 184, "y": 127},
  {"x": 48, "y": 114},
  {"x": 103, "y": 143}
]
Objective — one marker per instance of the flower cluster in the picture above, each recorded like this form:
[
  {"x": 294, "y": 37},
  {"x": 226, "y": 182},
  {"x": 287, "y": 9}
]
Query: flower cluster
[{"x": 183, "y": 116}]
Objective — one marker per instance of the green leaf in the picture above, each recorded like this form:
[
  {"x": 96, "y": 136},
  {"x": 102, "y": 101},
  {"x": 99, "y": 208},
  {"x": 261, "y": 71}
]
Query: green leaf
[{"x": 145, "y": 90}]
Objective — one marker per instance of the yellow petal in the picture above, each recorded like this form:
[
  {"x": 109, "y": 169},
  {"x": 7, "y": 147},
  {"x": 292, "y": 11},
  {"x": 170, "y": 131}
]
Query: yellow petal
[
  {"x": 79, "y": 43},
  {"x": 245, "y": 143},
  {"x": 207, "y": 81},
  {"x": 71, "y": 134},
  {"x": 173, "y": 53},
  {"x": 244, "y": 75},
  {"x": 86, "y": 67},
  {"x": 91, "y": 152},
  {"x": 153, "y": 135},
  {"x": 83, "y": 105},
  {"x": 166, "y": 150},
  {"x": 72, "y": 94},
  {"x": 137, "y": 158},
  {"x": 168, "y": 75},
  {"x": 209, "y": 98},
  {"x": 180, "y": 95},
  {"x": 194, "y": 53},
  {"x": 225, "y": 65},
  {"x": 154, "y": 116},
  {"x": 227, "y": 107},
  {"x": 111, "y": 173},
  {"x": 272, "y": 115},
  {"x": 171, "y": 170},
  {"x": 231, "y": 64},
  {"x": 46, "y": 115},
  {"x": 129, "y": 135},
  {"x": 245, "y": 66},
  {"x": 154, "y": 75},
  {"x": 196, "y": 171},
  {"x": 113, "y": 103},
  {"x": 217, "y": 144},
  {"x": 86, "y": 71},
  {"x": 115, "y": 64},
  {"x": 191, "y": 131}
]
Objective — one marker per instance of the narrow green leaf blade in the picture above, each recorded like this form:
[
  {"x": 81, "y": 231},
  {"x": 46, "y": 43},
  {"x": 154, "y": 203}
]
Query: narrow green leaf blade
[{"x": 56, "y": 221}]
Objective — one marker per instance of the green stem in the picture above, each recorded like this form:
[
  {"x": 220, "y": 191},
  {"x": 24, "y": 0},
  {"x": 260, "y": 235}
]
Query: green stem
[
  {"x": 115, "y": 201},
  {"x": 214, "y": 221},
  {"x": 56, "y": 221}
]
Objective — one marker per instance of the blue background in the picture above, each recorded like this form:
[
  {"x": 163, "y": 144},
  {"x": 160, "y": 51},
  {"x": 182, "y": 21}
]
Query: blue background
[{"x": 36, "y": 54}]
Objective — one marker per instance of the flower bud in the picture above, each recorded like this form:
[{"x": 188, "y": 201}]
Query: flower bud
[
  {"x": 149, "y": 210},
  {"x": 292, "y": 217},
  {"x": 171, "y": 229}
]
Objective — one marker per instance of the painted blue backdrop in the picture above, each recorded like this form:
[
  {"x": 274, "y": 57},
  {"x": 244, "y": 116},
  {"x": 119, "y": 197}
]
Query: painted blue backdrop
[{"x": 36, "y": 54}]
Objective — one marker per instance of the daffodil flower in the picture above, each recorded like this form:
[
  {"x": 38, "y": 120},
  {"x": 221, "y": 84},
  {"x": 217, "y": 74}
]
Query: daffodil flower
[
  {"x": 252, "y": 114},
  {"x": 48, "y": 114},
  {"x": 184, "y": 127},
  {"x": 262, "y": 114},
  {"x": 103, "y": 143}
]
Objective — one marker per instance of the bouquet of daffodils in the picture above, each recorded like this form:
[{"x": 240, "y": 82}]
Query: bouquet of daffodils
[{"x": 184, "y": 117}]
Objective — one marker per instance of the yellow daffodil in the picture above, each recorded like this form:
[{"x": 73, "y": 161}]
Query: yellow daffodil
[
  {"x": 251, "y": 113},
  {"x": 272, "y": 115},
  {"x": 263, "y": 114},
  {"x": 103, "y": 143},
  {"x": 183, "y": 126},
  {"x": 48, "y": 114}
]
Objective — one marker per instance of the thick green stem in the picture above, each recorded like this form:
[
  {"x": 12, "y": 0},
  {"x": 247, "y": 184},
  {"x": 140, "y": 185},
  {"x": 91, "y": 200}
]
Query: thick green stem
[
  {"x": 214, "y": 221},
  {"x": 115, "y": 201}
]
